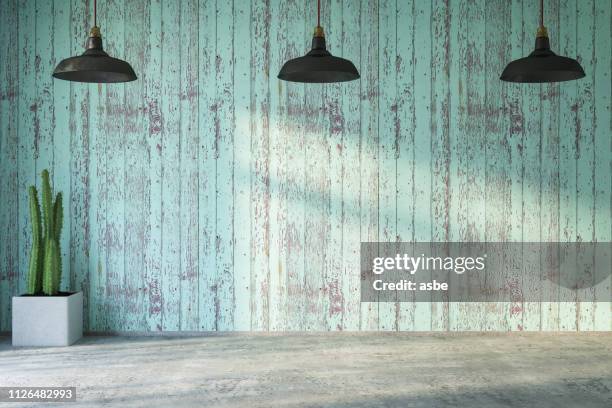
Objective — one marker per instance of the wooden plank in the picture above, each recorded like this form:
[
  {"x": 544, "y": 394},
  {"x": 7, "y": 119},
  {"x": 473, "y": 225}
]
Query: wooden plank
[
  {"x": 207, "y": 272},
  {"x": 114, "y": 121},
  {"x": 136, "y": 166},
  {"x": 516, "y": 168},
  {"x": 298, "y": 31},
  {"x": 603, "y": 159},
  {"x": 476, "y": 146},
  {"x": 278, "y": 141},
  {"x": 531, "y": 198},
  {"x": 549, "y": 177},
  {"x": 61, "y": 131},
  {"x": 333, "y": 22},
  {"x": 568, "y": 120},
  {"x": 404, "y": 66},
  {"x": 170, "y": 159},
  {"x": 316, "y": 222},
  {"x": 44, "y": 106},
  {"x": 242, "y": 154},
  {"x": 497, "y": 156},
  {"x": 99, "y": 313},
  {"x": 153, "y": 184},
  {"x": 10, "y": 98},
  {"x": 78, "y": 228},
  {"x": 260, "y": 165},
  {"x": 369, "y": 142},
  {"x": 459, "y": 312},
  {"x": 441, "y": 188},
  {"x": 585, "y": 183},
  {"x": 28, "y": 128},
  {"x": 387, "y": 142},
  {"x": 324, "y": 222},
  {"x": 350, "y": 150},
  {"x": 189, "y": 51},
  {"x": 4, "y": 166},
  {"x": 422, "y": 145},
  {"x": 224, "y": 139}
]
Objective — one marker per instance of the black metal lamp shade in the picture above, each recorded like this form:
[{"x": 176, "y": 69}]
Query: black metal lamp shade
[
  {"x": 542, "y": 65},
  {"x": 94, "y": 65},
  {"x": 318, "y": 66}
]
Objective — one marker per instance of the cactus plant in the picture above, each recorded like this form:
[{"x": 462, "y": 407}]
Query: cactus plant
[
  {"x": 36, "y": 256},
  {"x": 58, "y": 220},
  {"x": 45, "y": 259}
]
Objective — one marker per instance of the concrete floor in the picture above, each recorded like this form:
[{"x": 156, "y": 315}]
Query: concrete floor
[{"x": 318, "y": 370}]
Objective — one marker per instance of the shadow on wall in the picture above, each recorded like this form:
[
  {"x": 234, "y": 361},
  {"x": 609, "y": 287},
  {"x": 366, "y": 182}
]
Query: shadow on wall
[{"x": 305, "y": 189}]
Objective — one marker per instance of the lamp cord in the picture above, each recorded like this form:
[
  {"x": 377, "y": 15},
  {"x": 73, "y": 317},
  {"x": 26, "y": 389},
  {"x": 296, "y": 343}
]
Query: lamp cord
[
  {"x": 95, "y": 13},
  {"x": 318, "y": 13},
  {"x": 541, "y": 13}
]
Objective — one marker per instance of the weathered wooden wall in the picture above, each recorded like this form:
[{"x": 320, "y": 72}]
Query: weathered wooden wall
[{"x": 208, "y": 195}]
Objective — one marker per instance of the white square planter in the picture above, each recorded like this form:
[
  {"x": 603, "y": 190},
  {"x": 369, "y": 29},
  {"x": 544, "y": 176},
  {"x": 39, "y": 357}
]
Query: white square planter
[{"x": 47, "y": 320}]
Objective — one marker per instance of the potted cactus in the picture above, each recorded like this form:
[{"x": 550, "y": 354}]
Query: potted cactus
[{"x": 45, "y": 316}]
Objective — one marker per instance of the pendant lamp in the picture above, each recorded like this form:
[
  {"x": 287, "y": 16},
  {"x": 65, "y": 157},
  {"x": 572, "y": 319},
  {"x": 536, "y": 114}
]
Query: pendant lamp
[
  {"x": 542, "y": 65},
  {"x": 94, "y": 65},
  {"x": 318, "y": 66}
]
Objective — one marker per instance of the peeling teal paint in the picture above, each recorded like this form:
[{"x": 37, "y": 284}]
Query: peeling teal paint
[{"x": 208, "y": 195}]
